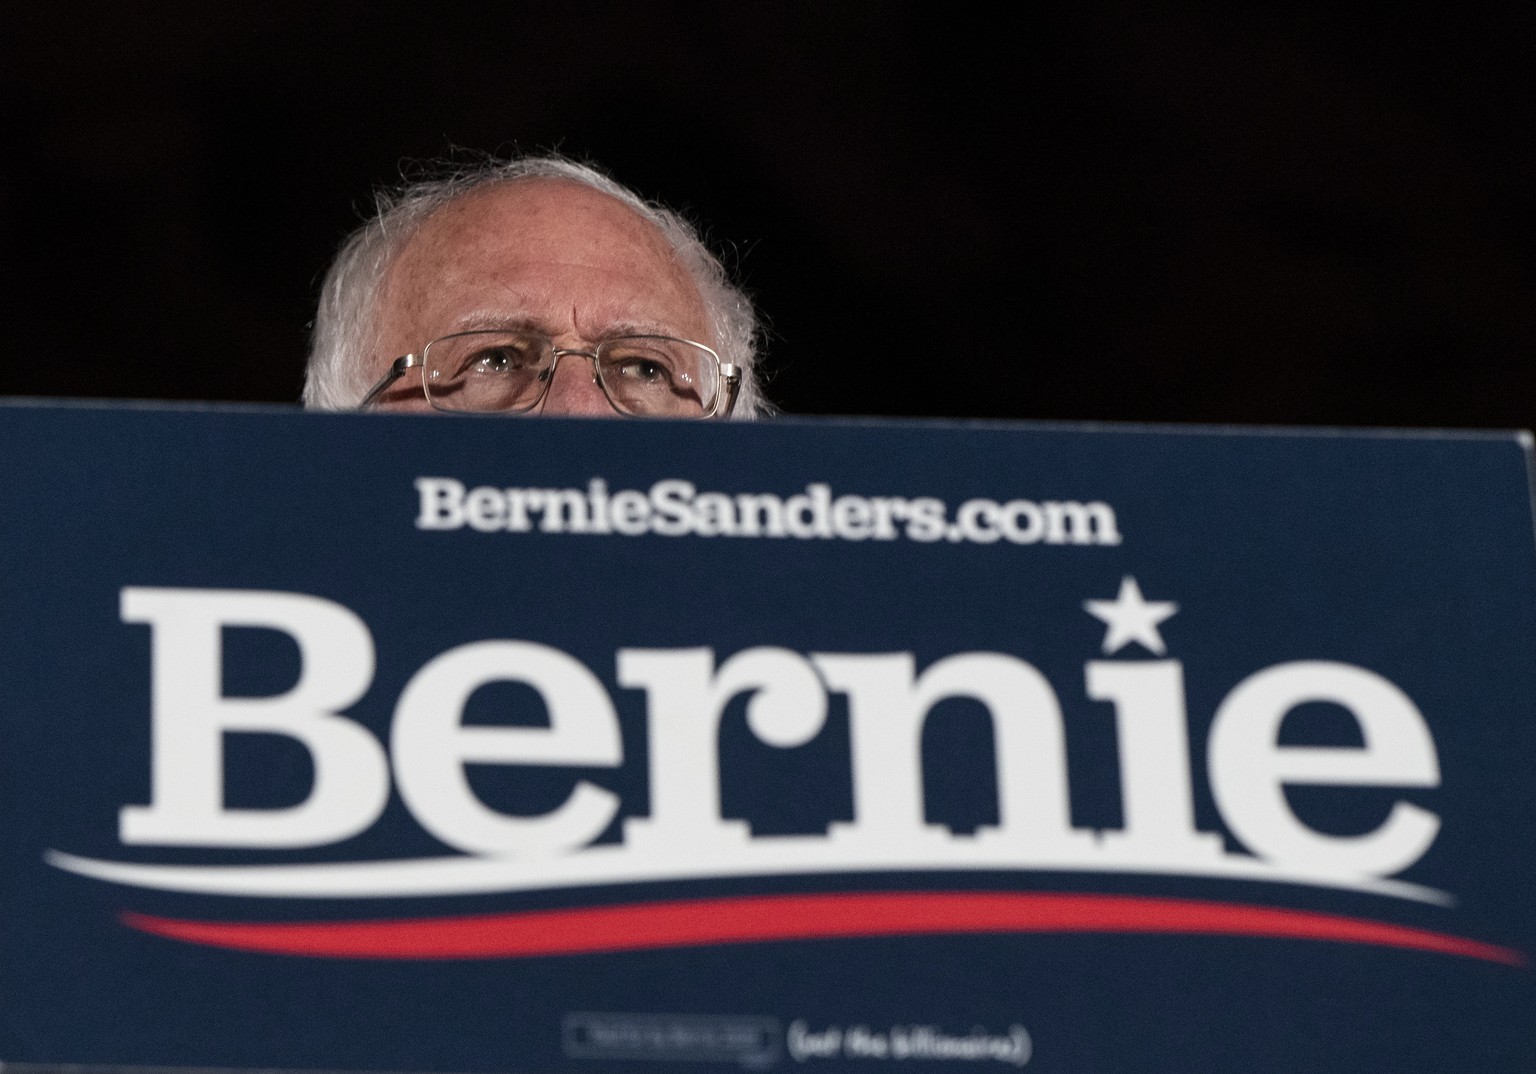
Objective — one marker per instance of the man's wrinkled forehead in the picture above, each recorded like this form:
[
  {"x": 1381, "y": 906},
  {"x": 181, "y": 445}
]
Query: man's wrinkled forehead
[
  {"x": 537, "y": 212},
  {"x": 552, "y": 243}
]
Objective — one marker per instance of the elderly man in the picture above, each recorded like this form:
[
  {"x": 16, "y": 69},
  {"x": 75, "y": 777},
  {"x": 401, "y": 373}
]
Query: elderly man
[{"x": 533, "y": 286}]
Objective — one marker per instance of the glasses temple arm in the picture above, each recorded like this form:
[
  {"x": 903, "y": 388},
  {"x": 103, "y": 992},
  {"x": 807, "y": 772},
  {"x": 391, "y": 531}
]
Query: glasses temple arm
[
  {"x": 397, "y": 369},
  {"x": 732, "y": 377}
]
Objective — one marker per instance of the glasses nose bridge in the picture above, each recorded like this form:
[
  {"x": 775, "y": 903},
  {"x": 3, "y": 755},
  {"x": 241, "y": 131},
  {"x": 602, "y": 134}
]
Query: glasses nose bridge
[{"x": 557, "y": 353}]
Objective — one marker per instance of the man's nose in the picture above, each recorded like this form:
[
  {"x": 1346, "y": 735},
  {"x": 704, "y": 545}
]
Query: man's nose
[{"x": 574, "y": 389}]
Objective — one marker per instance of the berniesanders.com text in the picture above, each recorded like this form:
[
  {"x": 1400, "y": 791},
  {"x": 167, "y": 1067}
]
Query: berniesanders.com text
[{"x": 678, "y": 508}]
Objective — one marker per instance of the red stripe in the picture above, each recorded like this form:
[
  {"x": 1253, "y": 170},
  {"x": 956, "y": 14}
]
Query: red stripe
[{"x": 701, "y": 922}]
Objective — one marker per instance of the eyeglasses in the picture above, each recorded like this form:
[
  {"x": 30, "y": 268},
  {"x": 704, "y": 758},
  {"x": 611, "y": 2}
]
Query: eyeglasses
[{"x": 510, "y": 371}]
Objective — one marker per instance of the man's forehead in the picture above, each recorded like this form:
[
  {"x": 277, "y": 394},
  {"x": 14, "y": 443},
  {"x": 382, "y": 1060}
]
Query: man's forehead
[
  {"x": 553, "y": 249},
  {"x": 542, "y": 215}
]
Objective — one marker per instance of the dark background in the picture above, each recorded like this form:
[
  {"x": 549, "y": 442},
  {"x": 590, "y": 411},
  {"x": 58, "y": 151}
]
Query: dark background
[{"x": 1182, "y": 213}]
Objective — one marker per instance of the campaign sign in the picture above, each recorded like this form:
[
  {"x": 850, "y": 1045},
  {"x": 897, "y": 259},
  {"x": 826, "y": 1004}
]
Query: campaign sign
[{"x": 402, "y": 743}]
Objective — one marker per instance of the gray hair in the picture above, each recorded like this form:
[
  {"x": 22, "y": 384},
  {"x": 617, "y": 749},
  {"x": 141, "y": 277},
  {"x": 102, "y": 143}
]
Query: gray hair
[{"x": 338, "y": 374}]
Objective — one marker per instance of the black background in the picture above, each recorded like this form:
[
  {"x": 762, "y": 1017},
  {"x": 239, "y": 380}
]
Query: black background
[{"x": 1109, "y": 211}]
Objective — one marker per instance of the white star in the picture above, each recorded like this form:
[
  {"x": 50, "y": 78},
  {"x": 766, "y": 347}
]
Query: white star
[{"x": 1131, "y": 618}]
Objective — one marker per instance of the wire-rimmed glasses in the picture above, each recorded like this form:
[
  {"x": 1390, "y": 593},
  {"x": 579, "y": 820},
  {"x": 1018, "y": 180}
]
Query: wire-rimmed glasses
[{"x": 510, "y": 370}]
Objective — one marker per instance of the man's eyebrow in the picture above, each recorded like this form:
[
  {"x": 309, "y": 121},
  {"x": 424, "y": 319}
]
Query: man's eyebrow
[
  {"x": 486, "y": 321},
  {"x": 640, "y": 328},
  {"x": 522, "y": 322}
]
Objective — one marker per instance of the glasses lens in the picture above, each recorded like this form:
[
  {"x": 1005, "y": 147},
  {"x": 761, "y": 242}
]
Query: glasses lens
[
  {"x": 484, "y": 371},
  {"x": 658, "y": 376}
]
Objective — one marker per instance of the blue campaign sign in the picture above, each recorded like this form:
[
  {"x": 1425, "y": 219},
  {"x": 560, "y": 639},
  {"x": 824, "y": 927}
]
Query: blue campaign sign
[{"x": 390, "y": 743}]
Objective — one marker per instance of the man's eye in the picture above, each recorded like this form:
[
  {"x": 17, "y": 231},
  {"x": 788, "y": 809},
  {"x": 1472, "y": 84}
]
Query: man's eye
[
  {"x": 499, "y": 360},
  {"x": 646, "y": 370}
]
